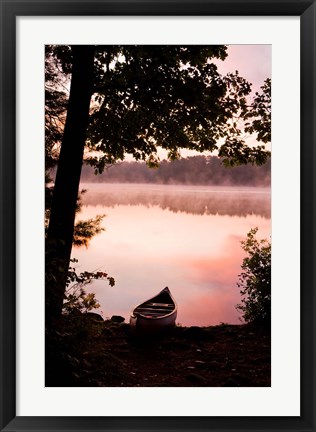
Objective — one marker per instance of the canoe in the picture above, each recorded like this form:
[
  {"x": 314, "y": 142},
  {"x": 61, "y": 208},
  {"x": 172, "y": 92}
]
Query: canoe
[{"x": 156, "y": 314}]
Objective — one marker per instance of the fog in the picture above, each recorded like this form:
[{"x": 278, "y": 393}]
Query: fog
[{"x": 197, "y": 200}]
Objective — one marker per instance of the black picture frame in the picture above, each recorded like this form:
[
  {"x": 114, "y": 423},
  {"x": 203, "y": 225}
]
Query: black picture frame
[{"x": 10, "y": 9}]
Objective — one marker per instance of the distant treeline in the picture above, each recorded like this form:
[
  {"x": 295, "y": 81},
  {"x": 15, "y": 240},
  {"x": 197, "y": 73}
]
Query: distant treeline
[
  {"x": 195, "y": 170},
  {"x": 185, "y": 199}
]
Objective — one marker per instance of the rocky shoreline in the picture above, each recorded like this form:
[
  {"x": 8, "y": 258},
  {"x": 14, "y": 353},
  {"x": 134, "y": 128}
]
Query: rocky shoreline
[{"x": 87, "y": 351}]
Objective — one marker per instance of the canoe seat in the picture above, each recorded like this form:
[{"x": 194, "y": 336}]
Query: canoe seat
[{"x": 154, "y": 311}]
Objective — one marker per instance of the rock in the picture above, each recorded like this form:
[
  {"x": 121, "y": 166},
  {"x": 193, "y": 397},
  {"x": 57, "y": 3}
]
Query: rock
[
  {"x": 117, "y": 319},
  {"x": 95, "y": 316}
]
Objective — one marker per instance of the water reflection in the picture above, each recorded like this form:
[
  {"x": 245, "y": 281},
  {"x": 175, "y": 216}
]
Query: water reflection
[
  {"x": 157, "y": 237},
  {"x": 197, "y": 200}
]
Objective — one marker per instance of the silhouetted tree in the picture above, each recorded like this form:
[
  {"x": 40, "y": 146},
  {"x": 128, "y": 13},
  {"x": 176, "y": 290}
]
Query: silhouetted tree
[{"x": 64, "y": 201}]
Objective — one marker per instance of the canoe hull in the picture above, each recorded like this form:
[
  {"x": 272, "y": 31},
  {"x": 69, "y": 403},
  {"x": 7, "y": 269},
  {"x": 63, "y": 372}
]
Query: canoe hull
[
  {"x": 151, "y": 317},
  {"x": 140, "y": 323}
]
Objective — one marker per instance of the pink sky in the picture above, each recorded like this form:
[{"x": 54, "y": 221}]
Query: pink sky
[{"x": 253, "y": 62}]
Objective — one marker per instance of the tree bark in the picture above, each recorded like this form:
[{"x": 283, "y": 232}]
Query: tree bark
[{"x": 62, "y": 216}]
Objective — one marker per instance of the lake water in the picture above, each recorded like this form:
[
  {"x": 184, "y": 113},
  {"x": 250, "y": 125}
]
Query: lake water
[{"x": 184, "y": 237}]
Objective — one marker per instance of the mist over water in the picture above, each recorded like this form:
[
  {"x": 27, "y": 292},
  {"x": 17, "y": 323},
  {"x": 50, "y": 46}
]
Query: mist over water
[
  {"x": 239, "y": 201},
  {"x": 184, "y": 237}
]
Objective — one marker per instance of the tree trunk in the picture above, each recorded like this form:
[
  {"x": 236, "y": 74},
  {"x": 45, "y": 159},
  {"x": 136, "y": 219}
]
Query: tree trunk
[{"x": 62, "y": 217}]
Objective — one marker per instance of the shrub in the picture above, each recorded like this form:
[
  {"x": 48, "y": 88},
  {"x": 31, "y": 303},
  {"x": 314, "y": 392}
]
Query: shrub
[
  {"x": 255, "y": 280},
  {"x": 76, "y": 298}
]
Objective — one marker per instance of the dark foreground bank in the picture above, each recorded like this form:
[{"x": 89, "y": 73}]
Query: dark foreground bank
[{"x": 86, "y": 351}]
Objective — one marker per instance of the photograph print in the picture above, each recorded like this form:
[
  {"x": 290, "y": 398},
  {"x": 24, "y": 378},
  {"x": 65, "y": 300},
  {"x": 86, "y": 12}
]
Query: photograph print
[{"x": 157, "y": 215}]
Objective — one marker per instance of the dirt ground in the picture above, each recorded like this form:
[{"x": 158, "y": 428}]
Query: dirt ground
[{"x": 86, "y": 351}]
